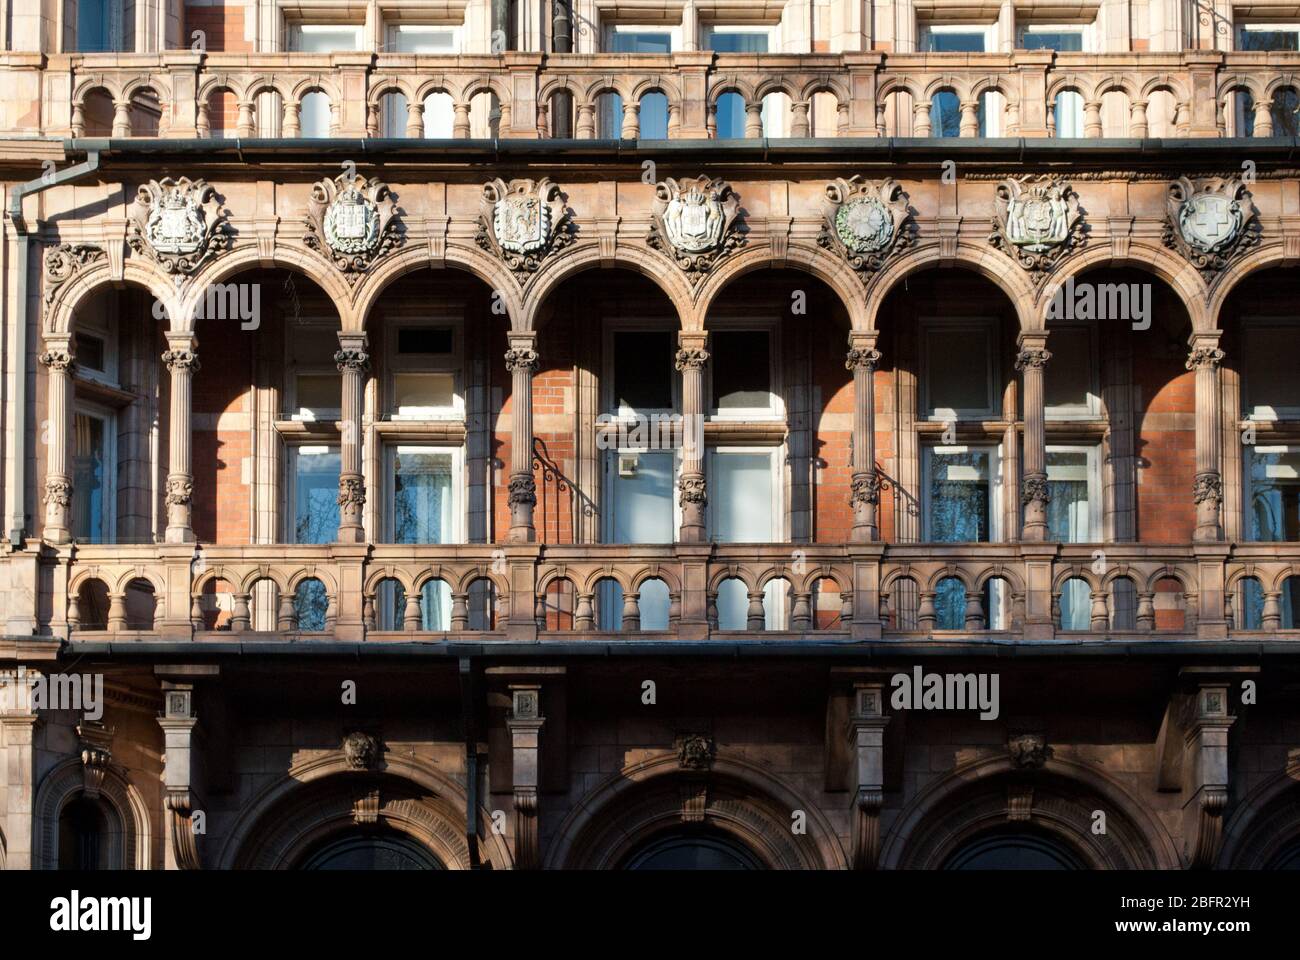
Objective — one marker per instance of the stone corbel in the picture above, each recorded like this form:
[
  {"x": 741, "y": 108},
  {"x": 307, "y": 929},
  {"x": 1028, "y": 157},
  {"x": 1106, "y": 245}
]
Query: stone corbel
[
  {"x": 1121, "y": 235},
  {"x": 607, "y": 239},
  {"x": 948, "y": 229},
  {"x": 265, "y": 231},
  {"x": 1192, "y": 750},
  {"x": 525, "y": 725},
  {"x": 95, "y": 741},
  {"x": 181, "y": 776},
  {"x": 436, "y": 230},
  {"x": 867, "y": 742}
]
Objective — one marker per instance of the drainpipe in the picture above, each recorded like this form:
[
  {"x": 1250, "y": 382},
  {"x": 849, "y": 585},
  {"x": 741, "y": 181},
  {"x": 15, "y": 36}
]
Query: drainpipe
[
  {"x": 562, "y": 41},
  {"x": 17, "y": 454}
]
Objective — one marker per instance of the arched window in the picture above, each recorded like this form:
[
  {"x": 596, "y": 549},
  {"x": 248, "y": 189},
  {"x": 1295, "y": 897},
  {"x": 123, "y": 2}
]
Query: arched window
[
  {"x": 692, "y": 850},
  {"x": 83, "y": 829},
  {"x": 1014, "y": 850},
  {"x": 387, "y": 850}
]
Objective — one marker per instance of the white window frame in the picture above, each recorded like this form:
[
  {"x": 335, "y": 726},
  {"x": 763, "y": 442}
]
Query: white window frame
[
  {"x": 295, "y": 30},
  {"x": 995, "y": 484},
  {"x": 771, "y": 31},
  {"x": 292, "y": 409},
  {"x": 452, "y": 363},
  {"x": 988, "y": 29},
  {"x": 1247, "y": 484},
  {"x": 103, "y": 329},
  {"x": 1249, "y": 407},
  {"x": 777, "y": 458},
  {"x": 290, "y": 519},
  {"x": 1244, "y": 28},
  {"x": 109, "y": 418},
  {"x": 991, "y": 330},
  {"x": 1087, "y": 32},
  {"x": 609, "y": 467},
  {"x": 607, "y": 399},
  {"x": 1094, "y": 484},
  {"x": 674, "y": 31},
  {"x": 459, "y": 502},
  {"x": 1091, "y": 409},
  {"x": 775, "y": 410},
  {"x": 393, "y": 30}
]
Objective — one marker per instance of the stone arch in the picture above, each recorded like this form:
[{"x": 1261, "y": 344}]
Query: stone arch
[
  {"x": 151, "y": 82},
  {"x": 317, "y": 81},
  {"x": 1115, "y": 82},
  {"x": 377, "y": 575},
  {"x": 1268, "y": 255},
  {"x": 994, "y": 83},
  {"x": 776, "y": 84},
  {"x": 731, "y": 572},
  {"x": 825, "y": 266},
  {"x": 899, "y": 85},
  {"x": 246, "y": 258},
  {"x": 731, "y": 84},
  {"x": 1265, "y": 819},
  {"x": 660, "y": 83},
  {"x": 413, "y": 257},
  {"x": 981, "y": 578},
  {"x": 1164, "y": 82},
  {"x": 957, "y": 85},
  {"x": 1184, "y": 578},
  {"x": 140, "y": 573},
  {"x": 586, "y": 256},
  {"x": 484, "y": 84},
  {"x": 262, "y": 84},
  {"x": 93, "y": 279},
  {"x": 432, "y": 86},
  {"x": 639, "y": 578},
  {"x": 381, "y": 87},
  {"x": 426, "y": 805},
  {"x": 985, "y": 261},
  {"x": 130, "y": 847},
  {"x": 974, "y": 799},
  {"x": 1080, "y": 572},
  {"x": 1071, "y": 81},
  {"x": 643, "y": 799},
  {"x": 931, "y": 583},
  {"x": 1177, "y": 273},
  {"x": 825, "y": 84}
]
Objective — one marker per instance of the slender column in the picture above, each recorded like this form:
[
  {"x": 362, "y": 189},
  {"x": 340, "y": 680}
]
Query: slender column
[
  {"x": 692, "y": 489},
  {"x": 1207, "y": 489},
  {"x": 353, "y": 362},
  {"x": 521, "y": 361},
  {"x": 1034, "y": 494},
  {"x": 60, "y": 361},
  {"x": 865, "y": 497},
  {"x": 183, "y": 362}
]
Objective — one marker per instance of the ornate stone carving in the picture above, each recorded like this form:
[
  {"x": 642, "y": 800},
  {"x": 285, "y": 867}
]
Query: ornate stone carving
[
  {"x": 695, "y": 751},
  {"x": 522, "y": 490},
  {"x": 95, "y": 740},
  {"x": 1203, "y": 357},
  {"x": 866, "y": 222},
  {"x": 691, "y": 358},
  {"x": 862, "y": 357},
  {"x": 352, "y": 359},
  {"x": 361, "y": 750},
  {"x": 180, "y": 491},
  {"x": 692, "y": 490},
  {"x": 1036, "y": 222},
  {"x": 177, "y": 223},
  {"x": 352, "y": 490},
  {"x": 1034, "y": 488},
  {"x": 694, "y": 222},
  {"x": 1210, "y": 221},
  {"x": 865, "y": 488},
  {"x": 1207, "y": 486},
  {"x": 1032, "y": 357},
  {"x": 353, "y": 221},
  {"x": 59, "y": 358},
  {"x": 523, "y": 222},
  {"x": 1028, "y": 750},
  {"x": 62, "y": 263},
  {"x": 58, "y": 491},
  {"x": 181, "y": 359},
  {"x": 521, "y": 358}
]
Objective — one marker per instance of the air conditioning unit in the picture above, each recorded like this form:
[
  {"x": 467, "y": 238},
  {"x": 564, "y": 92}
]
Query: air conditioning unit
[{"x": 627, "y": 464}]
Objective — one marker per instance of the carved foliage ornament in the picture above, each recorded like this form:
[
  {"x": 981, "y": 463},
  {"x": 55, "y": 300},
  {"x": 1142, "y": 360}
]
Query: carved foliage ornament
[
  {"x": 1036, "y": 222},
  {"x": 63, "y": 261},
  {"x": 866, "y": 222},
  {"x": 694, "y": 221},
  {"x": 353, "y": 221},
  {"x": 177, "y": 223},
  {"x": 1211, "y": 222},
  {"x": 523, "y": 222}
]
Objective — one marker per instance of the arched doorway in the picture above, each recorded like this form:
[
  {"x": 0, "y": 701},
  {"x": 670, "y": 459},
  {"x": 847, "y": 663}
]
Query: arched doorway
[
  {"x": 1014, "y": 850},
  {"x": 370, "y": 850},
  {"x": 692, "y": 850}
]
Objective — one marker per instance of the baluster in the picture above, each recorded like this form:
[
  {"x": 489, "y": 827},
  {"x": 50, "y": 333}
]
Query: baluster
[
  {"x": 290, "y": 126},
  {"x": 1191, "y": 610},
  {"x": 801, "y": 615},
  {"x": 970, "y": 119},
  {"x": 754, "y": 618},
  {"x": 674, "y": 610},
  {"x": 711, "y": 121},
  {"x": 121, "y": 118},
  {"x": 245, "y": 126},
  {"x": 1146, "y": 611},
  {"x": 411, "y": 615},
  {"x": 753, "y": 120},
  {"x": 240, "y": 618},
  {"x": 631, "y": 121},
  {"x": 1100, "y": 614},
  {"x": 117, "y": 612},
  {"x": 1272, "y": 616},
  {"x": 368, "y": 619},
  {"x": 74, "y": 612},
  {"x": 713, "y": 611},
  {"x": 460, "y": 125},
  {"x": 800, "y": 125},
  {"x": 1229, "y": 616},
  {"x": 1056, "y": 610},
  {"x": 584, "y": 613},
  {"x": 414, "y": 120},
  {"x": 920, "y": 119},
  {"x": 78, "y": 120},
  {"x": 586, "y": 125},
  {"x": 460, "y": 611},
  {"x": 926, "y": 614},
  {"x": 203, "y": 125},
  {"x": 196, "y": 611},
  {"x": 674, "y": 120},
  {"x": 1137, "y": 119},
  {"x": 884, "y": 610},
  {"x": 974, "y": 619},
  {"x": 846, "y": 609},
  {"x": 539, "y": 611},
  {"x": 631, "y": 611},
  {"x": 287, "y": 619},
  {"x": 372, "y": 119},
  {"x": 1092, "y": 119}
]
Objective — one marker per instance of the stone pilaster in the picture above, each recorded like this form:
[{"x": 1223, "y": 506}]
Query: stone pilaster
[
  {"x": 182, "y": 361},
  {"x": 18, "y": 722},
  {"x": 525, "y": 726},
  {"x": 862, "y": 360},
  {"x": 692, "y": 486},
  {"x": 353, "y": 362},
  {"x": 1207, "y": 489},
  {"x": 1034, "y": 494},
  {"x": 180, "y": 776},
  {"x": 60, "y": 361},
  {"x": 521, "y": 361},
  {"x": 867, "y": 741}
]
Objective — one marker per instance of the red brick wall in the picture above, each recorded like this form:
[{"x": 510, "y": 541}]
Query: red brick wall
[
  {"x": 221, "y": 498},
  {"x": 223, "y": 26}
]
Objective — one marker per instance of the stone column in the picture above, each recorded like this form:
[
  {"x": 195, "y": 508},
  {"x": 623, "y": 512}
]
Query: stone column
[
  {"x": 18, "y": 722},
  {"x": 525, "y": 725},
  {"x": 1034, "y": 494},
  {"x": 692, "y": 487},
  {"x": 867, "y": 741},
  {"x": 183, "y": 362},
  {"x": 862, "y": 359},
  {"x": 1207, "y": 489},
  {"x": 180, "y": 776},
  {"x": 521, "y": 361},
  {"x": 60, "y": 362},
  {"x": 353, "y": 362}
]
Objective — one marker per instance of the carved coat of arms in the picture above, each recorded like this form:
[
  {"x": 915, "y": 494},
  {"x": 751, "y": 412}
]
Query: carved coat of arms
[
  {"x": 353, "y": 221},
  {"x": 695, "y": 222},
  {"x": 866, "y": 222},
  {"x": 1036, "y": 222},
  {"x": 177, "y": 223},
  {"x": 1210, "y": 222},
  {"x": 523, "y": 221}
]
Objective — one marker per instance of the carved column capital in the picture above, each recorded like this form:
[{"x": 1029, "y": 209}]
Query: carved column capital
[
  {"x": 179, "y": 359},
  {"x": 59, "y": 357},
  {"x": 352, "y": 360},
  {"x": 862, "y": 357},
  {"x": 522, "y": 358},
  {"x": 1035, "y": 489},
  {"x": 1032, "y": 357},
  {"x": 1203, "y": 356},
  {"x": 522, "y": 491},
  {"x": 691, "y": 358},
  {"x": 1207, "y": 488},
  {"x": 693, "y": 490}
]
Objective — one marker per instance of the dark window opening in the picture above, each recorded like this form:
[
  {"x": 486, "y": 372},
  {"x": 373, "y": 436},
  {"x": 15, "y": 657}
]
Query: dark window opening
[
  {"x": 643, "y": 370},
  {"x": 741, "y": 370}
]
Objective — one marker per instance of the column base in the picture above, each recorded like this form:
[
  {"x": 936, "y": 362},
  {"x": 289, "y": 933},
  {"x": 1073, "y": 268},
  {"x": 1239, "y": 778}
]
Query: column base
[
  {"x": 352, "y": 534},
  {"x": 179, "y": 535}
]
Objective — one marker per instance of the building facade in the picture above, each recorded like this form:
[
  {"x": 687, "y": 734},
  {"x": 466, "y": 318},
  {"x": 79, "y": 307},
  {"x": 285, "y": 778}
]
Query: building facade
[{"x": 815, "y": 435}]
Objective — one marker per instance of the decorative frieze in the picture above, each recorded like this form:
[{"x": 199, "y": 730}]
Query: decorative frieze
[
  {"x": 178, "y": 223},
  {"x": 353, "y": 221},
  {"x": 1036, "y": 221},
  {"x": 523, "y": 222},
  {"x": 1211, "y": 222},
  {"x": 694, "y": 222},
  {"x": 866, "y": 222}
]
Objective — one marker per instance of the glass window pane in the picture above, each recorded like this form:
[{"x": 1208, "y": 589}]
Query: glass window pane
[
  {"x": 643, "y": 370},
  {"x": 314, "y": 117},
  {"x": 622, "y": 41},
  {"x": 1257, "y": 38},
  {"x": 323, "y": 38},
  {"x": 422, "y": 496},
  {"x": 946, "y": 42},
  {"x": 1065, "y": 41},
  {"x": 435, "y": 606},
  {"x": 723, "y": 41},
  {"x": 609, "y": 605},
  {"x": 90, "y": 352},
  {"x": 89, "y": 496},
  {"x": 1067, "y": 385},
  {"x": 950, "y": 604},
  {"x": 731, "y": 116},
  {"x": 1270, "y": 369},
  {"x": 1068, "y": 110},
  {"x": 439, "y": 116},
  {"x": 310, "y": 604},
  {"x": 733, "y": 605},
  {"x": 959, "y": 492},
  {"x": 653, "y": 604},
  {"x": 643, "y": 502},
  {"x": 1076, "y": 605},
  {"x": 424, "y": 341},
  {"x": 741, "y": 370},
  {"x": 318, "y": 393},
  {"x": 1274, "y": 493},
  {"x": 945, "y": 115},
  {"x": 410, "y": 38},
  {"x": 653, "y": 117},
  {"x": 415, "y": 393},
  {"x": 957, "y": 372},
  {"x": 316, "y": 491},
  {"x": 741, "y": 498},
  {"x": 1069, "y": 515}
]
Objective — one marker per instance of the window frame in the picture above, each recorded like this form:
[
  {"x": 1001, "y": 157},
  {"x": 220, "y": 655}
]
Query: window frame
[
  {"x": 1248, "y": 405},
  {"x": 293, "y": 369},
  {"x": 1087, "y": 34},
  {"x": 108, "y": 416},
  {"x": 1241, "y": 29},
  {"x": 453, "y": 363},
  {"x": 926, "y": 30},
  {"x": 609, "y": 30},
  {"x": 609, "y": 475},
  {"x": 1248, "y": 486},
  {"x": 292, "y": 453},
  {"x": 992, "y": 329},
  {"x": 105, "y": 330},
  {"x": 459, "y": 501},
  {"x": 298, "y": 27},
  {"x": 1093, "y": 467},
  {"x": 775, "y": 411},
  {"x": 618, "y": 414},
  {"x": 996, "y": 461},
  {"x": 776, "y": 454},
  {"x": 1091, "y": 410},
  {"x": 394, "y": 29}
]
